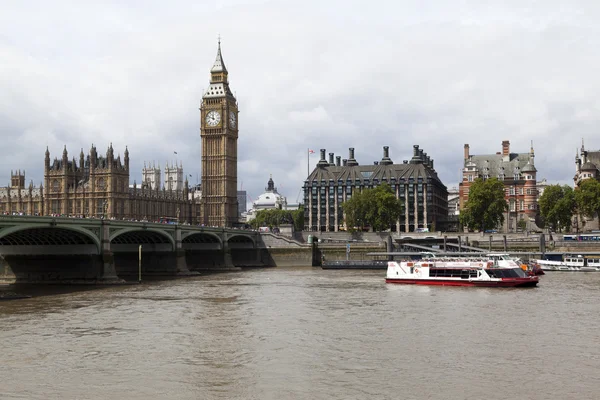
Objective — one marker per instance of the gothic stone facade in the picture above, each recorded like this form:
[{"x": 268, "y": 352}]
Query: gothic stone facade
[
  {"x": 518, "y": 173},
  {"x": 219, "y": 134},
  {"x": 97, "y": 186},
  {"x": 415, "y": 182}
]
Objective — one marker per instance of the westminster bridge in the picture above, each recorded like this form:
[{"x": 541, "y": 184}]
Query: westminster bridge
[{"x": 56, "y": 249}]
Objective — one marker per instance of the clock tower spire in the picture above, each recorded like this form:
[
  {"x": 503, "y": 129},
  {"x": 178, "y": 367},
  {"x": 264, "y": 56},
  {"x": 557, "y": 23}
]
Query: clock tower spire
[{"x": 219, "y": 134}]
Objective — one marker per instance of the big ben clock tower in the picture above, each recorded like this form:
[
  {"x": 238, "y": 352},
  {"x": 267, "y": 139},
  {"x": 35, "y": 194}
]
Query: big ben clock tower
[{"x": 219, "y": 134}]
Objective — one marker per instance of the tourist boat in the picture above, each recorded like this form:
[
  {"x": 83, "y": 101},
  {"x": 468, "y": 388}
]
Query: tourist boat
[
  {"x": 572, "y": 263},
  {"x": 461, "y": 272}
]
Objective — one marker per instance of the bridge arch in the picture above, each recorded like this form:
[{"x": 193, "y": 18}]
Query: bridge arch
[
  {"x": 201, "y": 239},
  {"x": 139, "y": 236},
  {"x": 32, "y": 236},
  {"x": 241, "y": 239}
]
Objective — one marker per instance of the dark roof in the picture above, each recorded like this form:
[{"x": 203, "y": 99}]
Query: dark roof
[
  {"x": 593, "y": 157},
  {"x": 494, "y": 164},
  {"x": 589, "y": 166},
  {"x": 371, "y": 172},
  {"x": 528, "y": 168}
]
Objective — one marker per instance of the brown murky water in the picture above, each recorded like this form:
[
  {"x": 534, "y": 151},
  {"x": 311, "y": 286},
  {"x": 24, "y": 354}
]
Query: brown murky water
[{"x": 303, "y": 333}]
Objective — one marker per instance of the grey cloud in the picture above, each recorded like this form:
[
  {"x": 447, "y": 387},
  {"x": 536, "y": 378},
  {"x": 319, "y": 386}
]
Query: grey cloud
[{"x": 307, "y": 75}]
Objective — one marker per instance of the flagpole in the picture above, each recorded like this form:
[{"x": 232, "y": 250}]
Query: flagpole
[{"x": 307, "y": 162}]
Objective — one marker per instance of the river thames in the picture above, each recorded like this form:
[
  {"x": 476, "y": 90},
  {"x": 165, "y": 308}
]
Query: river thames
[{"x": 300, "y": 333}]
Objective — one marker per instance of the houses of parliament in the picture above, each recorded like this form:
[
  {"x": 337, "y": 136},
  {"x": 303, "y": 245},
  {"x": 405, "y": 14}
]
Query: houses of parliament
[{"x": 98, "y": 185}]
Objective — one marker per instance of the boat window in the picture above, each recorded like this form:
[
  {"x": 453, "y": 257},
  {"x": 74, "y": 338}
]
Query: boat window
[{"x": 506, "y": 273}]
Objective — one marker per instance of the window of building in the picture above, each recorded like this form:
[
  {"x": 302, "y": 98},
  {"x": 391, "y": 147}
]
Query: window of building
[
  {"x": 470, "y": 177},
  {"x": 55, "y": 206},
  {"x": 520, "y": 191},
  {"x": 521, "y": 205},
  {"x": 366, "y": 174},
  {"x": 511, "y": 191}
]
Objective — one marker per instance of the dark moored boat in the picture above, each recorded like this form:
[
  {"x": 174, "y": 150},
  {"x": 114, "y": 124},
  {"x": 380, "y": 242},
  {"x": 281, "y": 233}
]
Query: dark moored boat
[{"x": 354, "y": 264}]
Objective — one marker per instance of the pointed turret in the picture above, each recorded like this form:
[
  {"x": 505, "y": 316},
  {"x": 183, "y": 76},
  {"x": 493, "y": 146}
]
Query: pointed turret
[
  {"x": 126, "y": 159},
  {"x": 219, "y": 65}
]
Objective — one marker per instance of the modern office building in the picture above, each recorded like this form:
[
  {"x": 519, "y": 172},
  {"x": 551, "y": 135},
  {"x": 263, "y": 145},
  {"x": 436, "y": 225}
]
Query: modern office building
[{"x": 415, "y": 182}]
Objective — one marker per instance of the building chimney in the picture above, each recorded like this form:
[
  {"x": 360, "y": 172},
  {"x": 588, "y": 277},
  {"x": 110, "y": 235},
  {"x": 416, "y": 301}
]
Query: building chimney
[
  {"x": 386, "y": 160},
  {"x": 344, "y": 162},
  {"x": 466, "y": 151},
  {"x": 338, "y": 160},
  {"x": 322, "y": 162},
  {"x": 375, "y": 162},
  {"x": 417, "y": 157},
  {"x": 331, "y": 159},
  {"x": 351, "y": 161},
  {"x": 505, "y": 148}
]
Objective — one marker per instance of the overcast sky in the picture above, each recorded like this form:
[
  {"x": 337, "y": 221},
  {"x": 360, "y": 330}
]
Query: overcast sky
[{"x": 307, "y": 74}]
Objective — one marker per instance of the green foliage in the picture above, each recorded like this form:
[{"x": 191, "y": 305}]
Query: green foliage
[
  {"x": 486, "y": 205},
  {"x": 587, "y": 198},
  {"x": 557, "y": 205},
  {"x": 377, "y": 208},
  {"x": 276, "y": 217},
  {"x": 522, "y": 224}
]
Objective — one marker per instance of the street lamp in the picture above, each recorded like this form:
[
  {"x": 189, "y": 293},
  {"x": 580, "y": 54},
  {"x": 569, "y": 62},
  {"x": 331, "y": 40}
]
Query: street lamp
[{"x": 104, "y": 208}]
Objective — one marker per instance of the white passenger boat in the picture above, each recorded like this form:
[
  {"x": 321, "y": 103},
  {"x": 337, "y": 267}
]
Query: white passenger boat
[
  {"x": 572, "y": 263},
  {"x": 458, "y": 272}
]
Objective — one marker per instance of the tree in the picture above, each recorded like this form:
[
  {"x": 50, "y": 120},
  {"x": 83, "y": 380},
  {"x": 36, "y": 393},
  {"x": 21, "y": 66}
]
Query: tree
[
  {"x": 486, "y": 205},
  {"x": 587, "y": 198},
  {"x": 377, "y": 208},
  {"x": 557, "y": 205},
  {"x": 276, "y": 217}
]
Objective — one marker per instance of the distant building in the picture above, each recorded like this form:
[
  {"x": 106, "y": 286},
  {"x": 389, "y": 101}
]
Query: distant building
[
  {"x": 151, "y": 178},
  {"x": 518, "y": 174},
  {"x": 453, "y": 210},
  {"x": 242, "y": 197},
  {"x": 415, "y": 182},
  {"x": 587, "y": 164},
  {"x": 270, "y": 199}
]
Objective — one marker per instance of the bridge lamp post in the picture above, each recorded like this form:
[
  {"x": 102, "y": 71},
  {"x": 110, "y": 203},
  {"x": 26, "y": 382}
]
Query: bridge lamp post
[{"x": 104, "y": 208}]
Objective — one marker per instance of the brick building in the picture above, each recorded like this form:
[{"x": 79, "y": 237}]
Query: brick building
[{"x": 518, "y": 173}]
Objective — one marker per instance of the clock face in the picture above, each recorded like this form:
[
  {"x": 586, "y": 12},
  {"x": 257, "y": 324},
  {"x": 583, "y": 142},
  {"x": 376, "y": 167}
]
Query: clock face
[
  {"x": 213, "y": 118},
  {"x": 232, "y": 119}
]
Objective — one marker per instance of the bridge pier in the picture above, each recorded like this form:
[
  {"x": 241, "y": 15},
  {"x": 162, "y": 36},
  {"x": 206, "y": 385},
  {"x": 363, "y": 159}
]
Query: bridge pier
[
  {"x": 108, "y": 272},
  {"x": 181, "y": 264},
  {"x": 227, "y": 260}
]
